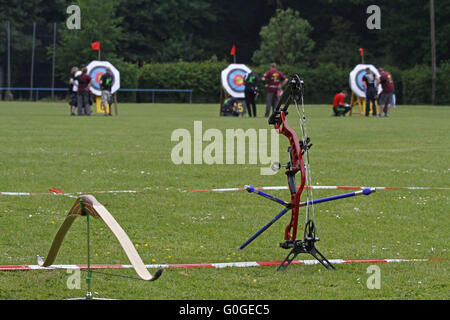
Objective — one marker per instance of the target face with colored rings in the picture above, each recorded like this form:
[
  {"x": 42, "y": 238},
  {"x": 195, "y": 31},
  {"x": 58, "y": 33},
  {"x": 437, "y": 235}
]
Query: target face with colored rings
[
  {"x": 356, "y": 82},
  {"x": 233, "y": 79},
  {"x": 96, "y": 69}
]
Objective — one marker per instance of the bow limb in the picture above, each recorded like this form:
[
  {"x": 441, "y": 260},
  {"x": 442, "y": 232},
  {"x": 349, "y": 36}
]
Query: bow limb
[
  {"x": 57, "y": 241},
  {"x": 97, "y": 210}
]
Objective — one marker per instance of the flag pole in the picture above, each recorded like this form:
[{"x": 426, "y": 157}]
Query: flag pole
[
  {"x": 33, "y": 43},
  {"x": 233, "y": 53},
  {"x": 96, "y": 46},
  {"x": 53, "y": 61}
]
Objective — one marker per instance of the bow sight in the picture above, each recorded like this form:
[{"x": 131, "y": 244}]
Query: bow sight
[{"x": 293, "y": 92}]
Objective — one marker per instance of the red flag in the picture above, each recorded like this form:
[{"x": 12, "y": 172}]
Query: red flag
[
  {"x": 361, "y": 51},
  {"x": 233, "y": 50},
  {"x": 95, "y": 45}
]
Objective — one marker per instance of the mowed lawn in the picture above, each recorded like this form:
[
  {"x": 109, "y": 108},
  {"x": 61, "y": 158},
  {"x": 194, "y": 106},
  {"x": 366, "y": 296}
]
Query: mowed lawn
[{"x": 43, "y": 147}]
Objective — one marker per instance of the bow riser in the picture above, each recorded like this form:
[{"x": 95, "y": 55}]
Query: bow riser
[{"x": 295, "y": 165}]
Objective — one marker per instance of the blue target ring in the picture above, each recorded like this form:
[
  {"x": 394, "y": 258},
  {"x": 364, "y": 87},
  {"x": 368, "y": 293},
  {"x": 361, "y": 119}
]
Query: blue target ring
[
  {"x": 96, "y": 74},
  {"x": 98, "y": 68},
  {"x": 356, "y": 82},
  {"x": 235, "y": 80},
  {"x": 359, "y": 81}
]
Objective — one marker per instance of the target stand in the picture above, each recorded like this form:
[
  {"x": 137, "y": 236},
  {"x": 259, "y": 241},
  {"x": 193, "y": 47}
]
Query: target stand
[
  {"x": 361, "y": 102},
  {"x": 358, "y": 89},
  {"x": 101, "y": 109},
  {"x": 96, "y": 69},
  {"x": 233, "y": 84}
]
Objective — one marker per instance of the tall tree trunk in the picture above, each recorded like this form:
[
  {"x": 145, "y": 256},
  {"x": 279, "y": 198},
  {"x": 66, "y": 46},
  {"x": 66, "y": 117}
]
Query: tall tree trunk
[{"x": 433, "y": 54}]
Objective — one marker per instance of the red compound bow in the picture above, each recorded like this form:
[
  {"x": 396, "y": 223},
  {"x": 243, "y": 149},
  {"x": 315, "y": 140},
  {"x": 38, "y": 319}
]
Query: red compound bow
[
  {"x": 296, "y": 149},
  {"x": 298, "y": 162}
]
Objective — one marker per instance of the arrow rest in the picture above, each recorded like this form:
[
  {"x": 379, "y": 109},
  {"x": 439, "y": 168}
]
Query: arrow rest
[{"x": 305, "y": 145}]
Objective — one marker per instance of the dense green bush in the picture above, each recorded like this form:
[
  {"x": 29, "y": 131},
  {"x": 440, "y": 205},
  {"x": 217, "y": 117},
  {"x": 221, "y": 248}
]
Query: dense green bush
[
  {"x": 412, "y": 86},
  {"x": 443, "y": 84},
  {"x": 128, "y": 79},
  {"x": 417, "y": 85},
  {"x": 321, "y": 84},
  {"x": 204, "y": 79},
  {"x": 201, "y": 77}
]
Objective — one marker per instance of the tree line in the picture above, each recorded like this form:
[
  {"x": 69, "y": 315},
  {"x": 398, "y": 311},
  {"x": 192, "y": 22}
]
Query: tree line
[{"x": 307, "y": 33}]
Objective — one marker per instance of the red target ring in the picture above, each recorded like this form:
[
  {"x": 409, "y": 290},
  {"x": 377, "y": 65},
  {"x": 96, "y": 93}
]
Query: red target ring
[{"x": 233, "y": 79}]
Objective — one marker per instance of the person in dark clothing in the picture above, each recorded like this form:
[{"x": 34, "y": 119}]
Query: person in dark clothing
[
  {"x": 371, "y": 91},
  {"x": 105, "y": 85},
  {"x": 229, "y": 107},
  {"x": 251, "y": 92},
  {"x": 386, "y": 97},
  {"x": 84, "y": 83},
  {"x": 275, "y": 81},
  {"x": 73, "y": 88}
]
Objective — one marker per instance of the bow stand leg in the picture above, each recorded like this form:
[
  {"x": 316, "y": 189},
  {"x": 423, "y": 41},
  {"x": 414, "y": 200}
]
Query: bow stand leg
[{"x": 306, "y": 246}]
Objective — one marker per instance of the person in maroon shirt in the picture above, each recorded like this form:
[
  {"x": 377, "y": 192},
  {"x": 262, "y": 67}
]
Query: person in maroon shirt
[
  {"x": 84, "y": 83},
  {"x": 275, "y": 81},
  {"x": 340, "y": 108},
  {"x": 387, "y": 84}
]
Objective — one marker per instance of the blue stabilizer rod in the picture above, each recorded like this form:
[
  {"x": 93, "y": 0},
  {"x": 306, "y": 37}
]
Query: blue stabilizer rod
[
  {"x": 365, "y": 191},
  {"x": 251, "y": 189},
  {"x": 264, "y": 228}
]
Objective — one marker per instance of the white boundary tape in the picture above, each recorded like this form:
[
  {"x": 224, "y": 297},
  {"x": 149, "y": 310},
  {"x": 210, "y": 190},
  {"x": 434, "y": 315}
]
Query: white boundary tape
[
  {"x": 73, "y": 194},
  {"x": 321, "y": 187},
  {"x": 208, "y": 265}
]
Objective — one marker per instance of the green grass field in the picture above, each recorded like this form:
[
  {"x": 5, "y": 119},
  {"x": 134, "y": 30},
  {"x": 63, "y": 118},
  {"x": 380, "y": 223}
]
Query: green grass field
[{"x": 43, "y": 147}]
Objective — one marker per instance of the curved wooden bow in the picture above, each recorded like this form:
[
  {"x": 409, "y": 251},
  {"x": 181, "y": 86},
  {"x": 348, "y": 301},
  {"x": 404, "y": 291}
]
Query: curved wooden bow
[{"x": 97, "y": 210}]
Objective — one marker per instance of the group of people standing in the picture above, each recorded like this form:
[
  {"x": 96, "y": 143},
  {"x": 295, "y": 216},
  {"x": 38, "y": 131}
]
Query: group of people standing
[
  {"x": 80, "y": 98},
  {"x": 274, "y": 80},
  {"x": 371, "y": 83}
]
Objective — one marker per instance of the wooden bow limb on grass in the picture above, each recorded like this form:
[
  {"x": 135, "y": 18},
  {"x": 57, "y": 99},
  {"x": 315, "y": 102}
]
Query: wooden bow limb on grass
[{"x": 97, "y": 210}]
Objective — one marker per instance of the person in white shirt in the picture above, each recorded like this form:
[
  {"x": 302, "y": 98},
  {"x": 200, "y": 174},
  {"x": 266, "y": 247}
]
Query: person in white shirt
[{"x": 73, "y": 89}]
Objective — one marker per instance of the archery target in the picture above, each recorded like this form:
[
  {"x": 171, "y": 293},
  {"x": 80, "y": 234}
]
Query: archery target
[
  {"x": 355, "y": 79},
  {"x": 96, "y": 69},
  {"x": 233, "y": 79}
]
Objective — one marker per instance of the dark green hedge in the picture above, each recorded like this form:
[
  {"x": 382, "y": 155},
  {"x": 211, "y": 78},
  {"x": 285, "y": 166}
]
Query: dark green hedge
[
  {"x": 128, "y": 79},
  {"x": 443, "y": 84},
  {"x": 417, "y": 84},
  {"x": 412, "y": 86},
  {"x": 201, "y": 77}
]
